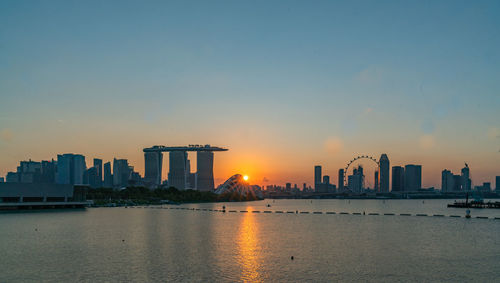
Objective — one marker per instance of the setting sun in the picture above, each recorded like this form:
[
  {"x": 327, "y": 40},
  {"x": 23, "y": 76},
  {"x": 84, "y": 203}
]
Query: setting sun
[{"x": 245, "y": 177}]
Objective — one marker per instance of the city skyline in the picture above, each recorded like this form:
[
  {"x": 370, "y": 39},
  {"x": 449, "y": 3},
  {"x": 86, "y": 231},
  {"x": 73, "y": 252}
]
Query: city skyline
[
  {"x": 300, "y": 86},
  {"x": 396, "y": 178}
]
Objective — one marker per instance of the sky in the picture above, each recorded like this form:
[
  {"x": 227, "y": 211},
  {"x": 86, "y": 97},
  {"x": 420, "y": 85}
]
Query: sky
[{"x": 285, "y": 85}]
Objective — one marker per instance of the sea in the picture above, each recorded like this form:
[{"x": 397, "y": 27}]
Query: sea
[{"x": 338, "y": 240}]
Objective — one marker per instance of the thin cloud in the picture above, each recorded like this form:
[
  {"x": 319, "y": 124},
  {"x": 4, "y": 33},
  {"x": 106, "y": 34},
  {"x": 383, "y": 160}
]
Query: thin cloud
[
  {"x": 6, "y": 135},
  {"x": 333, "y": 145},
  {"x": 427, "y": 142}
]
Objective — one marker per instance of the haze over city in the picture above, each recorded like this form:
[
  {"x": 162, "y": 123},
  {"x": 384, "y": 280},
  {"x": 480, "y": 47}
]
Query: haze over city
[{"x": 285, "y": 85}]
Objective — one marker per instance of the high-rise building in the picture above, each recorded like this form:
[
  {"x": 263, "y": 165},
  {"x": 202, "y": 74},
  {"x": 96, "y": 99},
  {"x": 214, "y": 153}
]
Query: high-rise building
[
  {"x": 91, "y": 177},
  {"x": 12, "y": 177},
  {"x": 204, "y": 171},
  {"x": 451, "y": 182},
  {"x": 2, "y": 180},
  {"x": 356, "y": 181},
  {"x": 497, "y": 184},
  {"x": 49, "y": 169},
  {"x": 108, "y": 177},
  {"x": 317, "y": 178},
  {"x": 64, "y": 168},
  {"x": 398, "y": 174},
  {"x": 413, "y": 178},
  {"x": 376, "y": 181},
  {"x": 326, "y": 180},
  {"x": 153, "y": 167},
  {"x": 341, "y": 180},
  {"x": 98, "y": 166},
  {"x": 177, "y": 176},
  {"x": 447, "y": 181},
  {"x": 384, "y": 173},
  {"x": 70, "y": 168},
  {"x": 79, "y": 168},
  {"x": 29, "y": 171},
  {"x": 466, "y": 181},
  {"x": 121, "y": 172},
  {"x": 486, "y": 186}
]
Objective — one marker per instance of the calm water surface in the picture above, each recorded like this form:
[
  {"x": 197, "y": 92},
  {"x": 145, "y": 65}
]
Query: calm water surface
[{"x": 161, "y": 244}]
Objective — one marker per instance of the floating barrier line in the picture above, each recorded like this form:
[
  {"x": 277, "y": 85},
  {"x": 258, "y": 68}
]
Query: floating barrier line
[{"x": 306, "y": 212}]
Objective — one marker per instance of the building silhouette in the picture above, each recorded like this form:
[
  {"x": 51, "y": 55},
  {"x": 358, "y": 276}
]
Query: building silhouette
[
  {"x": 91, "y": 177},
  {"x": 384, "y": 173},
  {"x": 177, "y": 176},
  {"x": 153, "y": 168},
  {"x": 121, "y": 172},
  {"x": 70, "y": 168},
  {"x": 108, "y": 177},
  {"x": 497, "y": 184},
  {"x": 317, "y": 178},
  {"x": 398, "y": 175},
  {"x": 355, "y": 182},
  {"x": 466, "y": 182},
  {"x": 98, "y": 166},
  {"x": 341, "y": 180},
  {"x": 204, "y": 171},
  {"x": 412, "y": 178}
]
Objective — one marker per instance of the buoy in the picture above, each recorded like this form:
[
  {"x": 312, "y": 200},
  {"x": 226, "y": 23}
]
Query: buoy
[
  {"x": 296, "y": 211},
  {"x": 467, "y": 213}
]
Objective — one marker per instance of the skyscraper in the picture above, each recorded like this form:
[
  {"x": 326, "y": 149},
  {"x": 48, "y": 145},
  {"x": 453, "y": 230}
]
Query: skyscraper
[
  {"x": 108, "y": 177},
  {"x": 326, "y": 180},
  {"x": 64, "y": 168},
  {"x": 317, "y": 178},
  {"x": 29, "y": 171},
  {"x": 91, "y": 177},
  {"x": 98, "y": 166},
  {"x": 153, "y": 167},
  {"x": 49, "y": 169},
  {"x": 204, "y": 171},
  {"x": 70, "y": 168},
  {"x": 79, "y": 168},
  {"x": 447, "y": 181},
  {"x": 398, "y": 174},
  {"x": 177, "y": 176},
  {"x": 384, "y": 173},
  {"x": 466, "y": 181},
  {"x": 121, "y": 172},
  {"x": 413, "y": 178},
  {"x": 341, "y": 180},
  {"x": 497, "y": 184}
]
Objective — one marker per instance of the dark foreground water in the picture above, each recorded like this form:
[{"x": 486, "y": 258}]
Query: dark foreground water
[{"x": 161, "y": 244}]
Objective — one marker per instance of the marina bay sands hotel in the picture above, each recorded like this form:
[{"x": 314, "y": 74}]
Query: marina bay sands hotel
[{"x": 179, "y": 175}]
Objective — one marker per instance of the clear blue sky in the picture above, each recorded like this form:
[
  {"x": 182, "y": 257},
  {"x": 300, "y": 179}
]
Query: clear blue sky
[{"x": 284, "y": 84}]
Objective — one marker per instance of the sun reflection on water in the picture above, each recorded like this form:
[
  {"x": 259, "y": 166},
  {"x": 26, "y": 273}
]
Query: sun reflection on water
[{"x": 248, "y": 246}]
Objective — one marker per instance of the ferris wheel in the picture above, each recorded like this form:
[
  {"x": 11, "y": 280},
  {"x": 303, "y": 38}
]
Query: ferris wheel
[{"x": 354, "y": 160}]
